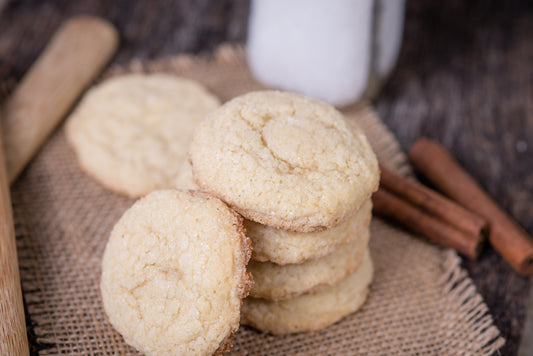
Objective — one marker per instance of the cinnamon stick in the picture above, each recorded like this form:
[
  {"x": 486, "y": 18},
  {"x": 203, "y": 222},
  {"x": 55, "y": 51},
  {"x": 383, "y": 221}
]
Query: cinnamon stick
[
  {"x": 505, "y": 235},
  {"x": 437, "y": 231},
  {"x": 434, "y": 203}
]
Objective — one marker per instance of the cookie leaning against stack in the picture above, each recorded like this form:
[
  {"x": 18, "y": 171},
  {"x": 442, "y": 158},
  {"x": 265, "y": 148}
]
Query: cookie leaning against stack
[
  {"x": 303, "y": 178},
  {"x": 174, "y": 274}
]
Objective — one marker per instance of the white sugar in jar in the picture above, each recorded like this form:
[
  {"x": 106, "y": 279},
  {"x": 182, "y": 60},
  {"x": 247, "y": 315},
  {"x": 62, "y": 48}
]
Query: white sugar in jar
[{"x": 332, "y": 50}]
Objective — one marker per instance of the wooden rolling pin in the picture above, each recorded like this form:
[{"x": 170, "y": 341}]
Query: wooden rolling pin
[
  {"x": 13, "y": 339},
  {"x": 72, "y": 60}
]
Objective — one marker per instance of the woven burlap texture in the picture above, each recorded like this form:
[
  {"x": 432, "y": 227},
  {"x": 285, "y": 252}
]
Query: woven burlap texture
[{"x": 421, "y": 300}]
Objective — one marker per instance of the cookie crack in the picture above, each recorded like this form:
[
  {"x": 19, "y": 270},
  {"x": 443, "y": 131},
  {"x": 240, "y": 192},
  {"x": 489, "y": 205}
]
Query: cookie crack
[{"x": 291, "y": 167}]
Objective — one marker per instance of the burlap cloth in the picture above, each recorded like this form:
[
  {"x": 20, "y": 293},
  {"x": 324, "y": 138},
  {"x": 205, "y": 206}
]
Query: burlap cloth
[{"x": 421, "y": 301}]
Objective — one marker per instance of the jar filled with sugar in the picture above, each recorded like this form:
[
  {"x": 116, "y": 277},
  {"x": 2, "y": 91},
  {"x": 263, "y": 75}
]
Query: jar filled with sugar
[{"x": 338, "y": 51}]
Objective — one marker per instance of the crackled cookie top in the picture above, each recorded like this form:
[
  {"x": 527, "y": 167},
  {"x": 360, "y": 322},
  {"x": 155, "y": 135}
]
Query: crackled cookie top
[
  {"x": 132, "y": 132},
  {"x": 284, "y": 160},
  {"x": 174, "y": 273}
]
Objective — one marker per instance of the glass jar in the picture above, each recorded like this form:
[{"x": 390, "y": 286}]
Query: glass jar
[{"x": 338, "y": 51}]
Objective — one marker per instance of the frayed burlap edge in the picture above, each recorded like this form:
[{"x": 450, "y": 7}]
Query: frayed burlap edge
[{"x": 459, "y": 286}]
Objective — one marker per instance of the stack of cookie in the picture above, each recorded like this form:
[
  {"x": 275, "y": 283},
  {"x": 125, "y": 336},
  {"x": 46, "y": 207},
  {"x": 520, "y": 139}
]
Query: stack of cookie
[{"x": 302, "y": 178}]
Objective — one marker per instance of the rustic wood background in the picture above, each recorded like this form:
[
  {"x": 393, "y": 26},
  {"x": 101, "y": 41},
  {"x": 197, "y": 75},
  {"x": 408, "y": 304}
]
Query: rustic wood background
[{"x": 464, "y": 77}]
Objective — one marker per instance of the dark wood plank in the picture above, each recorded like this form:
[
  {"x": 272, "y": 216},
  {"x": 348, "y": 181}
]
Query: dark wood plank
[
  {"x": 148, "y": 29},
  {"x": 465, "y": 78}
]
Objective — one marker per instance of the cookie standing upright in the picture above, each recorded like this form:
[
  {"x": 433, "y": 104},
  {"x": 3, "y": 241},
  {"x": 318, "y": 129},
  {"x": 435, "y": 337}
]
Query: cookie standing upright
[
  {"x": 284, "y": 160},
  {"x": 132, "y": 132},
  {"x": 174, "y": 274}
]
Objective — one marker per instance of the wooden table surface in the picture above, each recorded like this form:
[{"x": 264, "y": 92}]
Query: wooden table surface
[{"x": 464, "y": 77}]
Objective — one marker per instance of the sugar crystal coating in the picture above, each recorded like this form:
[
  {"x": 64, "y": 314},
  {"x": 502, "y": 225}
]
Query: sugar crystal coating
[{"x": 173, "y": 273}]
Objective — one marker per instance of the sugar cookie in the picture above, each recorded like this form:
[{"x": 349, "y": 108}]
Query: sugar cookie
[
  {"x": 311, "y": 311},
  {"x": 284, "y": 160},
  {"x": 174, "y": 274},
  {"x": 131, "y": 132}
]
